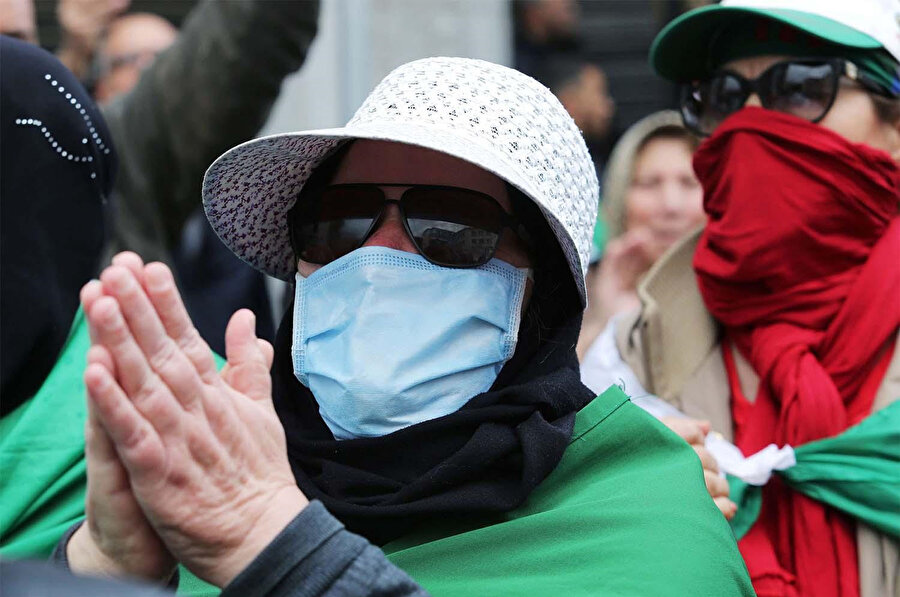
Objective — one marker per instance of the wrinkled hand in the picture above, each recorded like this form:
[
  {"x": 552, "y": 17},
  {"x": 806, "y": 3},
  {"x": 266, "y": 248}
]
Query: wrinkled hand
[
  {"x": 205, "y": 453},
  {"x": 694, "y": 433},
  {"x": 116, "y": 539}
]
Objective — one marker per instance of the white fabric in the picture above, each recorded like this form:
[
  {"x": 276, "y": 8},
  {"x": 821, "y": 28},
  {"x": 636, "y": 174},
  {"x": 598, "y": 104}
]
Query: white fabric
[
  {"x": 603, "y": 367},
  {"x": 492, "y": 116},
  {"x": 879, "y": 19}
]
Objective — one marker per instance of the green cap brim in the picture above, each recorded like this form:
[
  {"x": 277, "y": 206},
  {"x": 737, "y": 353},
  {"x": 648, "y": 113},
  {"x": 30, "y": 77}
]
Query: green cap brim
[{"x": 681, "y": 50}]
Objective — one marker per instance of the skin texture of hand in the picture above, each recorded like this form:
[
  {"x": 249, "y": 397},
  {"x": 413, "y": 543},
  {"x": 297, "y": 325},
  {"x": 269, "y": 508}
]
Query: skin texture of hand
[
  {"x": 205, "y": 453},
  {"x": 82, "y": 24},
  {"x": 116, "y": 539},
  {"x": 694, "y": 433}
]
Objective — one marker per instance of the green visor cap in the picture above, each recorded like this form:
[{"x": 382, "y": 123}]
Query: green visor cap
[{"x": 680, "y": 52}]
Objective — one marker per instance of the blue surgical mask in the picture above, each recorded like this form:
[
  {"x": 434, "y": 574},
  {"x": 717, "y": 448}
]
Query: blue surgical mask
[{"x": 384, "y": 339}]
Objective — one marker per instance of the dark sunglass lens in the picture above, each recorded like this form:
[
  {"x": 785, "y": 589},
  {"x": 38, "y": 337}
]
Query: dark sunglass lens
[
  {"x": 705, "y": 104},
  {"x": 802, "y": 89},
  {"x": 453, "y": 227},
  {"x": 335, "y": 223},
  {"x": 692, "y": 108},
  {"x": 726, "y": 94}
]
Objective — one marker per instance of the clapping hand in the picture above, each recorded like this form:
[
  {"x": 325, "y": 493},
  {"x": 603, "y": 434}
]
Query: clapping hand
[{"x": 204, "y": 453}]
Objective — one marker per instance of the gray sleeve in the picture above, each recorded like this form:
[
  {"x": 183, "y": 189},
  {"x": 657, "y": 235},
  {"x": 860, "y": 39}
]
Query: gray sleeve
[
  {"x": 210, "y": 91},
  {"x": 315, "y": 556}
]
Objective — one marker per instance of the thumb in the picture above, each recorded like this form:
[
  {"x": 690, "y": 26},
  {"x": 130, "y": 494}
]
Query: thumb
[{"x": 248, "y": 364}]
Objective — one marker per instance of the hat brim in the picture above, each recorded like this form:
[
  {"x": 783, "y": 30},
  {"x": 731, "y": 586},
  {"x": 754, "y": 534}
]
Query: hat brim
[
  {"x": 680, "y": 52},
  {"x": 249, "y": 189}
]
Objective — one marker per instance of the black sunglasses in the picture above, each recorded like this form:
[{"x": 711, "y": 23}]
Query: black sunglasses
[
  {"x": 450, "y": 226},
  {"x": 803, "y": 87}
]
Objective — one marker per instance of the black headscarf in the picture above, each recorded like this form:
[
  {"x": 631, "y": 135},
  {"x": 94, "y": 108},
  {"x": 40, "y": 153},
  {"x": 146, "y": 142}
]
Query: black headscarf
[
  {"x": 56, "y": 167},
  {"x": 482, "y": 460}
]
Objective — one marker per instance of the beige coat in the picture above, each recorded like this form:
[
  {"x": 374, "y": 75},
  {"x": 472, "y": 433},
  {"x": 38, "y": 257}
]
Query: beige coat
[{"x": 673, "y": 347}]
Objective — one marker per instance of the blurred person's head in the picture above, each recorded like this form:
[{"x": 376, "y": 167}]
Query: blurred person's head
[
  {"x": 56, "y": 171},
  {"x": 582, "y": 89},
  {"x": 549, "y": 23},
  {"x": 131, "y": 44},
  {"x": 650, "y": 184},
  {"x": 17, "y": 20}
]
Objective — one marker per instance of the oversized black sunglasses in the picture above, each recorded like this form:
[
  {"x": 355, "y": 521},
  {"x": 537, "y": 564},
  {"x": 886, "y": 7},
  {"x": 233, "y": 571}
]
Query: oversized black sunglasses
[
  {"x": 450, "y": 226},
  {"x": 803, "y": 87}
]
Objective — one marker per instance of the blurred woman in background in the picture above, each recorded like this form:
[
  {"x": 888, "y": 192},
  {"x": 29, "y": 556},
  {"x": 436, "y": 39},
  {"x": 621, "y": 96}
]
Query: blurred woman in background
[{"x": 651, "y": 198}]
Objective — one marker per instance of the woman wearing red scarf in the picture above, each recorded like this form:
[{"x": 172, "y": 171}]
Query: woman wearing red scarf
[{"x": 778, "y": 322}]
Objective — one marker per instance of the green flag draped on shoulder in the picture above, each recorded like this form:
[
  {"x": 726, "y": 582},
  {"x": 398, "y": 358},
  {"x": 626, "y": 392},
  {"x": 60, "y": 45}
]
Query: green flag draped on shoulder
[
  {"x": 43, "y": 474},
  {"x": 856, "y": 472}
]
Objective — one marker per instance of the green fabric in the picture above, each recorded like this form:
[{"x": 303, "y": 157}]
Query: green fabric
[
  {"x": 681, "y": 50},
  {"x": 601, "y": 236},
  {"x": 742, "y": 40},
  {"x": 626, "y": 512},
  {"x": 749, "y": 503},
  {"x": 856, "y": 472},
  {"x": 42, "y": 457},
  {"x": 42, "y": 465}
]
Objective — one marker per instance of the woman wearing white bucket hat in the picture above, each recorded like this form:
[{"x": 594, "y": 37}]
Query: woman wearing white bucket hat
[
  {"x": 778, "y": 323},
  {"x": 425, "y": 378}
]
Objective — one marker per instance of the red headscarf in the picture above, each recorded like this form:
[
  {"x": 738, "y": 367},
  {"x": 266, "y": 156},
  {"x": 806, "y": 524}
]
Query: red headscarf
[{"x": 800, "y": 262}]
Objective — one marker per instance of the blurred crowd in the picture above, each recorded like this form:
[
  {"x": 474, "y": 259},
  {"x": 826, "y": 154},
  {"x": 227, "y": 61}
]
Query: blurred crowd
[{"x": 585, "y": 322}]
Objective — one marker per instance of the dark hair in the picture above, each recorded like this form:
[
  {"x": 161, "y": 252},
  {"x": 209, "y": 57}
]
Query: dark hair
[{"x": 887, "y": 108}]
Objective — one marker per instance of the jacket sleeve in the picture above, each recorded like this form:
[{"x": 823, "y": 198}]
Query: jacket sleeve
[
  {"x": 210, "y": 91},
  {"x": 315, "y": 556}
]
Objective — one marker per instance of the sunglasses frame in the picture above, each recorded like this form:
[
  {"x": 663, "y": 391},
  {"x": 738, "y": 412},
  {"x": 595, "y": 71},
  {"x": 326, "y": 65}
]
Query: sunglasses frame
[
  {"x": 507, "y": 220},
  {"x": 840, "y": 68}
]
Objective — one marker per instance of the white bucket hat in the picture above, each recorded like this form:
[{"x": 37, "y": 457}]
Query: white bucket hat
[{"x": 492, "y": 116}]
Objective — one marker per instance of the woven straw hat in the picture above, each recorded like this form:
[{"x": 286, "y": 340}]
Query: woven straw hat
[{"x": 492, "y": 116}]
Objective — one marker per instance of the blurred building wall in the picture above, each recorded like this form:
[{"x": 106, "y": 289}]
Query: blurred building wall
[{"x": 360, "y": 41}]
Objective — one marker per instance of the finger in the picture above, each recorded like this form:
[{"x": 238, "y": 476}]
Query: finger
[
  {"x": 135, "y": 439},
  {"x": 101, "y": 454},
  {"x": 689, "y": 429},
  {"x": 100, "y": 355},
  {"x": 90, "y": 292},
  {"x": 135, "y": 377},
  {"x": 248, "y": 368},
  {"x": 716, "y": 485},
  {"x": 162, "y": 353},
  {"x": 163, "y": 294},
  {"x": 268, "y": 352},
  {"x": 706, "y": 458},
  {"x": 728, "y": 508},
  {"x": 130, "y": 261}
]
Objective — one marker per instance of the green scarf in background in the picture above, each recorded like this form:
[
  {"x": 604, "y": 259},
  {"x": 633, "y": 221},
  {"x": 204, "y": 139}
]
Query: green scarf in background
[{"x": 856, "y": 472}]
